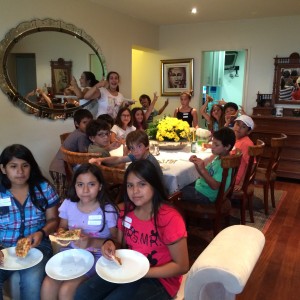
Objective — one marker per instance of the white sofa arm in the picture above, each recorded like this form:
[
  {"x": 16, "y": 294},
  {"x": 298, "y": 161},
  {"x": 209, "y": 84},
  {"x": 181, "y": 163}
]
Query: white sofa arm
[{"x": 221, "y": 271}]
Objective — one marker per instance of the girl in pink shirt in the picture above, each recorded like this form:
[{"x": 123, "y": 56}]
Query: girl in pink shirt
[{"x": 152, "y": 227}]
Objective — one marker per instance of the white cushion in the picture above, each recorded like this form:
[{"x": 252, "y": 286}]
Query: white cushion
[{"x": 221, "y": 271}]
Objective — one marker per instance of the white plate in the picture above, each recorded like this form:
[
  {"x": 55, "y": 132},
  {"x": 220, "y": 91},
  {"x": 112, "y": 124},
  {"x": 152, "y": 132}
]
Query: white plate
[
  {"x": 134, "y": 266},
  {"x": 69, "y": 264},
  {"x": 12, "y": 262}
]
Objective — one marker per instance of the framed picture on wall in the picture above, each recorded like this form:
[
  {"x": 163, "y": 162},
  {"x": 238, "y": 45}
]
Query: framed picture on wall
[
  {"x": 61, "y": 72},
  {"x": 176, "y": 76}
]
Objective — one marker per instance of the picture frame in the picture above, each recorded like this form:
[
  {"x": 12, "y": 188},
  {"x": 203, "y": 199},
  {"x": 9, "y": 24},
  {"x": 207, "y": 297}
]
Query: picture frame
[
  {"x": 176, "y": 76},
  {"x": 61, "y": 73}
]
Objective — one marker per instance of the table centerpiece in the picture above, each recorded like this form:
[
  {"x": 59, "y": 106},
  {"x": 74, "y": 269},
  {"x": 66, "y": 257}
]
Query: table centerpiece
[
  {"x": 202, "y": 136},
  {"x": 171, "y": 133}
]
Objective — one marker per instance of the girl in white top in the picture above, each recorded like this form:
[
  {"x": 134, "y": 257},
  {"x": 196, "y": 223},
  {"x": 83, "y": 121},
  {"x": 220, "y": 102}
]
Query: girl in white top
[
  {"x": 123, "y": 125},
  {"x": 107, "y": 94}
]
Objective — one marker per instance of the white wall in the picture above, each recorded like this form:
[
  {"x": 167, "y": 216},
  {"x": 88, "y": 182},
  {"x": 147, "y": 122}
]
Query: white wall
[
  {"x": 114, "y": 33},
  {"x": 264, "y": 39}
]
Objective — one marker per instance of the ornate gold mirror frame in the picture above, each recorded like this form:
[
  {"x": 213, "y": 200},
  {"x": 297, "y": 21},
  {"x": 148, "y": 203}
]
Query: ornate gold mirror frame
[{"x": 25, "y": 29}]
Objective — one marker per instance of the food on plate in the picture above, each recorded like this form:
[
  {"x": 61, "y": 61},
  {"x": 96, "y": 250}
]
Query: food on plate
[
  {"x": 68, "y": 235},
  {"x": 117, "y": 260},
  {"x": 23, "y": 247}
]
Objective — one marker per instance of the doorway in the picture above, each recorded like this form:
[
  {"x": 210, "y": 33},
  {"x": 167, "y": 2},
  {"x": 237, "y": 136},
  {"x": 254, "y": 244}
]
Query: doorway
[
  {"x": 22, "y": 72},
  {"x": 223, "y": 76}
]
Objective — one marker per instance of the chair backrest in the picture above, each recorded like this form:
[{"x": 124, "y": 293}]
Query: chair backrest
[
  {"x": 277, "y": 143},
  {"x": 232, "y": 162},
  {"x": 255, "y": 152},
  {"x": 114, "y": 179},
  {"x": 63, "y": 136},
  {"x": 112, "y": 176},
  {"x": 75, "y": 158}
]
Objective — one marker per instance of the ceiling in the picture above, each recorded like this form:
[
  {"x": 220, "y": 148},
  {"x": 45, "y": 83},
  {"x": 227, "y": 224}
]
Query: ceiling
[{"x": 168, "y": 12}]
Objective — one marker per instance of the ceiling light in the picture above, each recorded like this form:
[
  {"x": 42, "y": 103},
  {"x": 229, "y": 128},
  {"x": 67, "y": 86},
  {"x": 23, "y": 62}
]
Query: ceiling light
[{"x": 194, "y": 10}]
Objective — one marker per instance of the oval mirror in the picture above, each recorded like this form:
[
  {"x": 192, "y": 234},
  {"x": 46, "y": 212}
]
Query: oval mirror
[{"x": 34, "y": 51}]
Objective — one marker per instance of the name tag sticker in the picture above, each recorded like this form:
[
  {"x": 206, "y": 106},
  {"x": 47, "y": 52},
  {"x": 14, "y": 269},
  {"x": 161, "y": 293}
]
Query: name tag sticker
[
  {"x": 5, "y": 202},
  {"x": 95, "y": 220},
  {"x": 127, "y": 222}
]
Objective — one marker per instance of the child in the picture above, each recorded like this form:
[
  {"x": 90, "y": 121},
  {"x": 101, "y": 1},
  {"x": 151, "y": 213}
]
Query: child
[
  {"x": 231, "y": 111},
  {"x": 152, "y": 227},
  {"x": 90, "y": 209},
  {"x": 137, "y": 143},
  {"x": 205, "y": 189},
  {"x": 77, "y": 141},
  {"x": 123, "y": 125},
  {"x": 243, "y": 126},
  {"x": 215, "y": 119},
  {"x": 147, "y": 104},
  {"x": 98, "y": 131},
  {"x": 109, "y": 119},
  {"x": 28, "y": 208},
  {"x": 139, "y": 118},
  {"x": 185, "y": 112}
]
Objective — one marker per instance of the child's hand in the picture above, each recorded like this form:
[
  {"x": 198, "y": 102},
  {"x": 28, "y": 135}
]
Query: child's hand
[
  {"x": 192, "y": 158},
  {"x": 101, "y": 83},
  {"x": 242, "y": 110},
  {"x": 155, "y": 97},
  {"x": 167, "y": 102},
  {"x": 108, "y": 249},
  {"x": 73, "y": 82},
  {"x": 222, "y": 102},
  {"x": 1, "y": 257},
  {"x": 96, "y": 161},
  {"x": 237, "y": 188}
]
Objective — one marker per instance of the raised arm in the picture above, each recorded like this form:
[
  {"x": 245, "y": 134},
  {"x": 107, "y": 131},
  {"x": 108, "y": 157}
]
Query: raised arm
[
  {"x": 110, "y": 161},
  {"x": 151, "y": 107},
  {"x": 163, "y": 107},
  {"x": 47, "y": 99},
  {"x": 75, "y": 88},
  {"x": 94, "y": 92},
  {"x": 203, "y": 109}
]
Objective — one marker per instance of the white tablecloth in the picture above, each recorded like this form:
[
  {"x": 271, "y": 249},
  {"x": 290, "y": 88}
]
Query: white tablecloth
[{"x": 177, "y": 169}]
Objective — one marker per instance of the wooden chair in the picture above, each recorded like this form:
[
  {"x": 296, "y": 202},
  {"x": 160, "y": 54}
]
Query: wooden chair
[
  {"x": 74, "y": 158},
  {"x": 114, "y": 178},
  {"x": 267, "y": 176},
  {"x": 63, "y": 136},
  {"x": 220, "y": 209},
  {"x": 245, "y": 195}
]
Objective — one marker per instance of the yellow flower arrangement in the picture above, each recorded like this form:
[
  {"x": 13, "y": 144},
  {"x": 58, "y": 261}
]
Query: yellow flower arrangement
[{"x": 172, "y": 129}]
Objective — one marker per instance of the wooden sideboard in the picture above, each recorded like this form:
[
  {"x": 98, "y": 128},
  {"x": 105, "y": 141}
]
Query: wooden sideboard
[{"x": 268, "y": 126}]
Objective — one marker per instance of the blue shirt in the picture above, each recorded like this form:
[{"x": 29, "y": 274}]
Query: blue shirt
[{"x": 18, "y": 220}]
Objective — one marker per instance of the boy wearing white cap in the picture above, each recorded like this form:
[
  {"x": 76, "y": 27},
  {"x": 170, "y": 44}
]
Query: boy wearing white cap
[
  {"x": 296, "y": 93},
  {"x": 243, "y": 126}
]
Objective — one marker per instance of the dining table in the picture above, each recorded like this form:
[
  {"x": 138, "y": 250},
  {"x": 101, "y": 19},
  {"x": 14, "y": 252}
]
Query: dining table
[{"x": 178, "y": 171}]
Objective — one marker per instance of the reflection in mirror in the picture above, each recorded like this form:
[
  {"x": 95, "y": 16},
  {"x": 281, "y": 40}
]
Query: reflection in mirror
[
  {"x": 26, "y": 53},
  {"x": 286, "y": 78}
]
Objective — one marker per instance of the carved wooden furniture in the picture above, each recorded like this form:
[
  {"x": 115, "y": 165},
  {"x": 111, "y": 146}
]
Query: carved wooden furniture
[
  {"x": 61, "y": 72},
  {"x": 245, "y": 195},
  {"x": 220, "y": 209},
  {"x": 267, "y": 125},
  {"x": 267, "y": 176}
]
